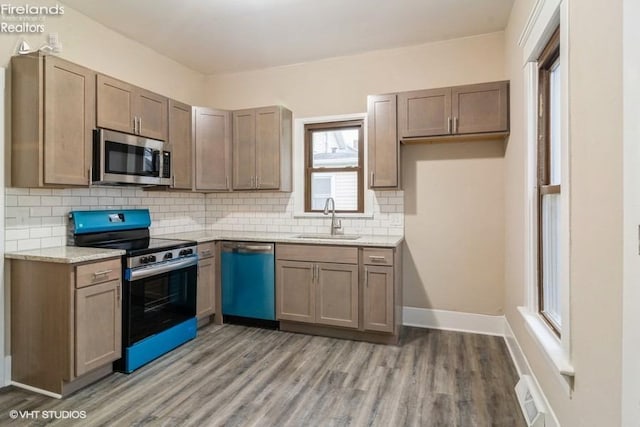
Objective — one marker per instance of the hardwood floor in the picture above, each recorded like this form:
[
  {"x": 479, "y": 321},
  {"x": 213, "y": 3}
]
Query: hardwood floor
[{"x": 238, "y": 376}]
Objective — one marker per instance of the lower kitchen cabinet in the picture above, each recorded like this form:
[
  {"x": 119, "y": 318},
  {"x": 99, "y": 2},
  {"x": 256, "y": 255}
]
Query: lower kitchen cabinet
[
  {"x": 65, "y": 323},
  {"x": 377, "y": 296},
  {"x": 337, "y": 295},
  {"x": 295, "y": 291},
  {"x": 346, "y": 292},
  {"x": 206, "y": 290},
  {"x": 98, "y": 322}
]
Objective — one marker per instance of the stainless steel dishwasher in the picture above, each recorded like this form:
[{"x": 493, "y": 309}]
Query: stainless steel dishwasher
[{"x": 248, "y": 285}]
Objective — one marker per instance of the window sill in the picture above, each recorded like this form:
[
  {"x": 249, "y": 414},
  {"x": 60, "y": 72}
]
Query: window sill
[
  {"x": 338, "y": 215},
  {"x": 550, "y": 344}
]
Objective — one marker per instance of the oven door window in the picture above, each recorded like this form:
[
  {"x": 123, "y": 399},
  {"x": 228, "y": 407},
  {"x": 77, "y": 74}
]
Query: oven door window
[
  {"x": 160, "y": 302},
  {"x": 124, "y": 159}
]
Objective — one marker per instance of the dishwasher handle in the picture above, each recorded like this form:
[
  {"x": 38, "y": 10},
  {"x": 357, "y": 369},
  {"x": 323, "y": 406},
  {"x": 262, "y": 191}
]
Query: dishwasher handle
[{"x": 242, "y": 247}]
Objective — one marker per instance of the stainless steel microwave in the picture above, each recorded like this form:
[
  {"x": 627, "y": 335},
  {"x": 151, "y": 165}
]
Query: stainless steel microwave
[{"x": 123, "y": 159}]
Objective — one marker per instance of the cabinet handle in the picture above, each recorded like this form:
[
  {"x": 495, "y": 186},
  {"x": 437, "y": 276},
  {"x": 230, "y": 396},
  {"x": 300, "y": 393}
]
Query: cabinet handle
[
  {"x": 317, "y": 268},
  {"x": 206, "y": 252},
  {"x": 118, "y": 295},
  {"x": 373, "y": 175},
  {"x": 377, "y": 258},
  {"x": 366, "y": 277},
  {"x": 449, "y": 125},
  {"x": 89, "y": 176},
  {"x": 455, "y": 125},
  {"x": 139, "y": 125},
  {"x": 226, "y": 182},
  {"x": 135, "y": 125},
  {"x": 101, "y": 273},
  {"x": 173, "y": 181}
]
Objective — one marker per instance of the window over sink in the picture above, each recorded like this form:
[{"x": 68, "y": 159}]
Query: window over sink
[{"x": 334, "y": 165}]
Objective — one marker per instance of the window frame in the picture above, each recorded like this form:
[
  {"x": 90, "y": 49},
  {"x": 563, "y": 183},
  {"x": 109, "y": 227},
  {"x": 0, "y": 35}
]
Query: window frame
[
  {"x": 547, "y": 60},
  {"x": 309, "y": 128}
]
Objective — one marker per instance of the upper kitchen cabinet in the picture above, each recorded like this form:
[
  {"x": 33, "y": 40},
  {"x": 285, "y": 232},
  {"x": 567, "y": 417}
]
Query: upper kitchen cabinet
[
  {"x": 127, "y": 108},
  {"x": 262, "y": 149},
  {"x": 180, "y": 126},
  {"x": 212, "y": 130},
  {"x": 382, "y": 142},
  {"x": 53, "y": 116},
  {"x": 478, "y": 111},
  {"x": 480, "y": 108}
]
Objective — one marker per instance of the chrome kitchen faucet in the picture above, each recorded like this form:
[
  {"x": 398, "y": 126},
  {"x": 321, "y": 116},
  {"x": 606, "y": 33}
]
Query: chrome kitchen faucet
[{"x": 335, "y": 223}]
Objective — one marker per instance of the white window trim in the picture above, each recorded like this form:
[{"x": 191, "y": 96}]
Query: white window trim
[
  {"x": 298, "y": 166},
  {"x": 545, "y": 17}
]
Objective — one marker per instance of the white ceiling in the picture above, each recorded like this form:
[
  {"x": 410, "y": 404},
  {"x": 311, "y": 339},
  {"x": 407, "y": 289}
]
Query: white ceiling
[{"x": 214, "y": 36}]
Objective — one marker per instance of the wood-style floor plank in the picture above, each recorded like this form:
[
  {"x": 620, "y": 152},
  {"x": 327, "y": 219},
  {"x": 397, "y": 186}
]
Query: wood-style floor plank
[{"x": 238, "y": 376}]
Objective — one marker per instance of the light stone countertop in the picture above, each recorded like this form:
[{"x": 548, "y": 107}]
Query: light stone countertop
[
  {"x": 65, "y": 254},
  {"x": 75, "y": 254},
  {"x": 252, "y": 236}
]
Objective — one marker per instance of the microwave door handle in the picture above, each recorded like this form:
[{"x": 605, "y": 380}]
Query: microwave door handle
[{"x": 156, "y": 163}]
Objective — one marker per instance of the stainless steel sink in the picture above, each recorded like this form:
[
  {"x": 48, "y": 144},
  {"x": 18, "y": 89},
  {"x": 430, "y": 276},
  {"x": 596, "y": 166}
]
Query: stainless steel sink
[{"x": 328, "y": 236}]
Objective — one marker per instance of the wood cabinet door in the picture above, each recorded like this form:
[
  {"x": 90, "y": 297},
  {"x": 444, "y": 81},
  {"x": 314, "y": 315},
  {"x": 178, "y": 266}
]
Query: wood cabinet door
[
  {"x": 205, "y": 302},
  {"x": 69, "y": 120},
  {"x": 98, "y": 320},
  {"x": 295, "y": 291},
  {"x": 213, "y": 149},
  {"x": 424, "y": 113},
  {"x": 244, "y": 149},
  {"x": 382, "y": 141},
  {"x": 115, "y": 104},
  {"x": 180, "y": 140},
  {"x": 267, "y": 148},
  {"x": 481, "y": 108},
  {"x": 337, "y": 295},
  {"x": 151, "y": 110},
  {"x": 378, "y": 299}
]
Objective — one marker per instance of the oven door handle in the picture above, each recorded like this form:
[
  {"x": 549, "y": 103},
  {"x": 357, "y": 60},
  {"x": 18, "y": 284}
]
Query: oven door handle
[{"x": 137, "y": 274}]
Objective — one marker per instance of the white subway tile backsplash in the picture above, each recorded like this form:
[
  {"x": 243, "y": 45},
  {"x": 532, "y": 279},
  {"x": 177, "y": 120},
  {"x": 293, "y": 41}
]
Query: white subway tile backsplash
[
  {"x": 39, "y": 217},
  {"x": 28, "y": 200}
]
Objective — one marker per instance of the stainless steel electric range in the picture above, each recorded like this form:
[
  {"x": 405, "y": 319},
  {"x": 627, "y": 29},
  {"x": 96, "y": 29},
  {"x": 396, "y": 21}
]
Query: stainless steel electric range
[{"x": 159, "y": 281}]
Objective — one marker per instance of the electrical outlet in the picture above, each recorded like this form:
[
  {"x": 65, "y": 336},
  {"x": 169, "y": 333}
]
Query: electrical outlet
[
  {"x": 54, "y": 42},
  {"x": 395, "y": 220}
]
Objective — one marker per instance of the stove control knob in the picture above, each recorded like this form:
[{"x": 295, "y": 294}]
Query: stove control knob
[
  {"x": 144, "y": 260},
  {"x": 168, "y": 255},
  {"x": 151, "y": 258},
  {"x": 189, "y": 251}
]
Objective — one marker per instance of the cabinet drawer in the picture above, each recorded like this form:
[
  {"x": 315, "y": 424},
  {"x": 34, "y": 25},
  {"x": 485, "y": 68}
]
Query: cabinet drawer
[
  {"x": 98, "y": 272},
  {"x": 372, "y": 256},
  {"x": 319, "y": 253},
  {"x": 207, "y": 250}
]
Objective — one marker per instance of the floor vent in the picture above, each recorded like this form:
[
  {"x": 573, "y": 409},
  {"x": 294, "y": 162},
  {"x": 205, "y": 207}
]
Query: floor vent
[{"x": 530, "y": 402}]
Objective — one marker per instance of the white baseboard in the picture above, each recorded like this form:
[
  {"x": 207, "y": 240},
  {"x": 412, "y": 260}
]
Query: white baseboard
[
  {"x": 517, "y": 355},
  {"x": 6, "y": 380},
  {"x": 453, "y": 321}
]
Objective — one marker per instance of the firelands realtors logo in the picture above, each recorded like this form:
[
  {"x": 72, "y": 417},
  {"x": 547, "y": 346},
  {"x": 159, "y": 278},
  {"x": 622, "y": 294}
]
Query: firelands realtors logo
[{"x": 26, "y": 18}]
